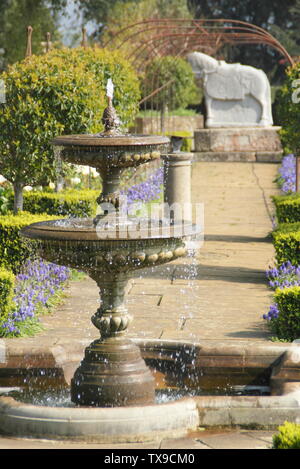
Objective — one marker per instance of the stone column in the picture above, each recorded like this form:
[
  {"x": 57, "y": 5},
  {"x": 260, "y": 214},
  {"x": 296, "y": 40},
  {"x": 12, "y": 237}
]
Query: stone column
[{"x": 177, "y": 185}]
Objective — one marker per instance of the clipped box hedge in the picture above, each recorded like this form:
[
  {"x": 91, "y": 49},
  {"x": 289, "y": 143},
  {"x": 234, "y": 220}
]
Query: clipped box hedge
[
  {"x": 67, "y": 203},
  {"x": 288, "y": 436},
  {"x": 287, "y": 208},
  {"x": 14, "y": 250},
  {"x": 287, "y": 325},
  {"x": 286, "y": 240},
  {"x": 7, "y": 285}
]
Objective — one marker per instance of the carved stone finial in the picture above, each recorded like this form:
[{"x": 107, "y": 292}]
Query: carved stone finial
[
  {"x": 29, "y": 42},
  {"x": 110, "y": 118},
  {"x": 48, "y": 42},
  {"x": 84, "y": 42}
]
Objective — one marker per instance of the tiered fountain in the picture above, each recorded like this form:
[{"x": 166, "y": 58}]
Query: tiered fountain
[
  {"x": 108, "y": 248},
  {"x": 113, "y": 390}
]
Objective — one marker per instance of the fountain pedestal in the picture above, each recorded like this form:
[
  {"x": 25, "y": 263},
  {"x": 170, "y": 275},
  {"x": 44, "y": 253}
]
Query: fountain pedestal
[{"x": 112, "y": 372}]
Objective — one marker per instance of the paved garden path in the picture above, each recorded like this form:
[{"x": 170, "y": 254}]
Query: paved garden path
[{"x": 218, "y": 296}]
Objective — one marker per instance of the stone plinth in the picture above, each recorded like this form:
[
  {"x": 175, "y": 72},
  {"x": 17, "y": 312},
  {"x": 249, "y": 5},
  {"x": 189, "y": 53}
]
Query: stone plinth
[{"x": 260, "y": 144}]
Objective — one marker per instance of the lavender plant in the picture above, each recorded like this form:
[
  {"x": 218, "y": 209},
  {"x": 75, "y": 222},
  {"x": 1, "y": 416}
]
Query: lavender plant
[
  {"x": 284, "y": 276},
  {"x": 287, "y": 174},
  {"x": 146, "y": 191},
  {"x": 38, "y": 287}
]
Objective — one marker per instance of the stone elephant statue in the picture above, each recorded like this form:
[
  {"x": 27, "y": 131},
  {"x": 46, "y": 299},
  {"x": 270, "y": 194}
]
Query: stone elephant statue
[{"x": 235, "y": 94}]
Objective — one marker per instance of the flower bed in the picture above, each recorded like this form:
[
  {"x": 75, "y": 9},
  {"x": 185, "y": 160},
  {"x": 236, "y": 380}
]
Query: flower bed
[
  {"x": 287, "y": 174},
  {"x": 284, "y": 313},
  {"x": 146, "y": 191},
  {"x": 37, "y": 289}
]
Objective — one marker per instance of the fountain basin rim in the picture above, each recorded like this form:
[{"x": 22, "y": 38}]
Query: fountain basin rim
[
  {"x": 86, "y": 140},
  {"x": 113, "y": 425},
  {"x": 56, "y": 230}
]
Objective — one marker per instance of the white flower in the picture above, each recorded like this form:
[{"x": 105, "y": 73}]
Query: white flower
[
  {"x": 51, "y": 185},
  {"x": 2, "y": 179},
  {"x": 28, "y": 188}
]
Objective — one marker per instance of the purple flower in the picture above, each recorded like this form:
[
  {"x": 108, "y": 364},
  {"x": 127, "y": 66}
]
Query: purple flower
[
  {"x": 35, "y": 285},
  {"x": 285, "y": 275},
  {"x": 146, "y": 191},
  {"x": 287, "y": 172}
]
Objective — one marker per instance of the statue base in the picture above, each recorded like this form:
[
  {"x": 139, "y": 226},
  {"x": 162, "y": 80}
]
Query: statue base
[{"x": 254, "y": 144}]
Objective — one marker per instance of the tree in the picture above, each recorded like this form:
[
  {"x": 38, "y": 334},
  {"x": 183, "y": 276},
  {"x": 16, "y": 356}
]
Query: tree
[
  {"x": 110, "y": 16},
  {"x": 280, "y": 20},
  {"x": 61, "y": 92},
  {"x": 17, "y": 15},
  {"x": 287, "y": 111},
  {"x": 97, "y": 11}
]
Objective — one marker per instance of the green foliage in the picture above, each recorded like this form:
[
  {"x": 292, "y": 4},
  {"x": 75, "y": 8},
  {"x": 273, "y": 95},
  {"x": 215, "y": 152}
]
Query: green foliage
[
  {"x": 62, "y": 92},
  {"x": 67, "y": 203},
  {"x": 182, "y": 90},
  {"x": 13, "y": 249},
  {"x": 7, "y": 284},
  {"x": 4, "y": 200},
  {"x": 288, "y": 436},
  {"x": 287, "y": 110},
  {"x": 287, "y": 208},
  {"x": 103, "y": 64},
  {"x": 286, "y": 239},
  {"x": 16, "y": 16},
  {"x": 287, "y": 325},
  {"x": 110, "y": 16},
  {"x": 175, "y": 112}
]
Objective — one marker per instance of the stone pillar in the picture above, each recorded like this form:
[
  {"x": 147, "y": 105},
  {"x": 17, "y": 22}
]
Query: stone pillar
[{"x": 177, "y": 184}]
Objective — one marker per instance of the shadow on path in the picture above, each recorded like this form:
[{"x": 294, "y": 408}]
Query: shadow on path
[{"x": 238, "y": 238}]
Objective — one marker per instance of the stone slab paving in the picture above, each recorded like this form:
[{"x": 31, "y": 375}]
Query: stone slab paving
[{"x": 213, "y": 440}]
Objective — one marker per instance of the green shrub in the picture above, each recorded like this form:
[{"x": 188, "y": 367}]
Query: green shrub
[
  {"x": 287, "y": 110},
  {"x": 286, "y": 240},
  {"x": 287, "y": 325},
  {"x": 68, "y": 203},
  {"x": 14, "y": 250},
  {"x": 288, "y": 436},
  {"x": 181, "y": 92},
  {"x": 7, "y": 284},
  {"x": 58, "y": 93},
  {"x": 287, "y": 208}
]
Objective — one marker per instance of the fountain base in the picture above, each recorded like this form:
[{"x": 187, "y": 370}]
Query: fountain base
[{"x": 112, "y": 374}]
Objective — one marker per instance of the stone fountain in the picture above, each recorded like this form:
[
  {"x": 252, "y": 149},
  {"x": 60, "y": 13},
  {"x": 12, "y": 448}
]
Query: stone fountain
[{"x": 109, "y": 248}]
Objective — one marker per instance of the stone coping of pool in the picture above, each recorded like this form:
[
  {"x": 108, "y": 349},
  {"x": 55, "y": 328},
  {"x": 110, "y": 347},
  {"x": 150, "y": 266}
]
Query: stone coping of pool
[
  {"x": 58, "y": 352},
  {"x": 174, "y": 419},
  {"x": 146, "y": 423}
]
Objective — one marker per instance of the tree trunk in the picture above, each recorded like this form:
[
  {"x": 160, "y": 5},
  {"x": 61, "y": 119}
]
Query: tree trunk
[{"x": 18, "y": 197}]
